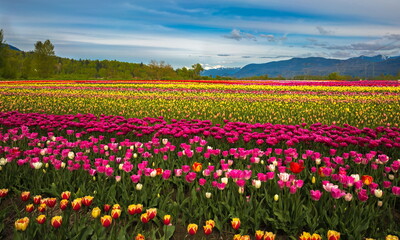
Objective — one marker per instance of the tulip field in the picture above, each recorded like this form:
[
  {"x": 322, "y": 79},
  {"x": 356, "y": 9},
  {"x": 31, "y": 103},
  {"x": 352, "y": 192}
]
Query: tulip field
[{"x": 236, "y": 160}]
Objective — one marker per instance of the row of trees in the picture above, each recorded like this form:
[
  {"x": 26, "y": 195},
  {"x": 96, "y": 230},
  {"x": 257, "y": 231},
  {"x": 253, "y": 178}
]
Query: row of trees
[{"x": 42, "y": 63}]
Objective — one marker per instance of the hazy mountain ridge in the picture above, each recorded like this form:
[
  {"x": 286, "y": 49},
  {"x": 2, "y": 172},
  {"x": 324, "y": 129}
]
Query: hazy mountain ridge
[{"x": 362, "y": 66}]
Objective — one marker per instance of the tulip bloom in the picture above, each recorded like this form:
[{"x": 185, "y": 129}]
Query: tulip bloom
[
  {"x": 367, "y": 180},
  {"x": 259, "y": 235},
  {"x": 392, "y": 237},
  {"x": 56, "y": 221},
  {"x": 87, "y": 200},
  {"x": 152, "y": 212},
  {"x": 316, "y": 236},
  {"x": 22, "y": 223},
  {"x": 65, "y": 195},
  {"x": 115, "y": 213},
  {"x": 29, "y": 208},
  {"x": 106, "y": 220},
  {"x": 139, "y": 237},
  {"x": 96, "y": 212},
  {"x": 106, "y": 207},
  {"x": 269, "y": 236},
  {"x": 63, "y": 204},
  {"x": 3, "y": 192},
  {"x": 167, "y": 219},
  {"x": 235, "y": 223},
  {"x": 76, "y": 204},
  {"x": 197, "y": 167},
  {"x": 296, "y": 167},
  {"x": 25, "y": 196},
  {"x": 207, "y": 229},
  {"x": 144, "y": 218},
  {"x": 41, "y": 219},
  {"x": 210, "y": 222},
  {"x": 51, "y": 202},
  {"x": 37, "y": 199},
  {"x": 305, "y": 236},
  {"x": 333, "y": 235},
  {"x": 192, "y": 229},
  {"x": 42, "y": 207}
]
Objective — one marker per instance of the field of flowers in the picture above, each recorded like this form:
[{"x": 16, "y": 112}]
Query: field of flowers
[{"x": 199, "y": 160}]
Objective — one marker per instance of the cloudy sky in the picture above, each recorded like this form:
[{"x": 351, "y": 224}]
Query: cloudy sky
[{"x": 229, "y": 33}]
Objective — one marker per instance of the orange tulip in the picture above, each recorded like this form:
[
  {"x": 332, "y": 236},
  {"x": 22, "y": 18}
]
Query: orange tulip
[
  {"x": 106, "y": 220},
  {"x": 305, "y": 236},
  {"x": 207, "y": 229},
  {"x": 192, "y": 229},
  {"x": 367, "y": 180},
  {"x": 235, "y": 223},
  {"x": 25, "y": 196},
  {"x": 245, "y": 237},
  {"x": 66, "y": 195},
  {"x": 41, "y": 219},
  {"x": 333, "y": 235},
  {"x": 259, "y": 235},
  {"x": 115, "y": 213},
  {"x": 29, "y": 208},
  {"x": 3, "y": 192},
  {"x": 167, "y": 219},
  {"x": 197, "y": 167},
  {"x": 139, "y": 237},
  {"x": 56, "y": 221},
  {"x": 22, "y": 223},
  {"x": 63, "y": 204},
  {"x": 87, "y": 200}
]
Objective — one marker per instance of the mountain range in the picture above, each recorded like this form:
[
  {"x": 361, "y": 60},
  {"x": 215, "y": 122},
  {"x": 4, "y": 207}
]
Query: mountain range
[{"x": 362, "y": 66}]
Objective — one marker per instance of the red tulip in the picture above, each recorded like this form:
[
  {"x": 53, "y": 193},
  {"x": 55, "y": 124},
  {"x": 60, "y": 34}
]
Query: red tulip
[
  {"x": 25, "y": 196},
  {"x": 296, "y": 167}
]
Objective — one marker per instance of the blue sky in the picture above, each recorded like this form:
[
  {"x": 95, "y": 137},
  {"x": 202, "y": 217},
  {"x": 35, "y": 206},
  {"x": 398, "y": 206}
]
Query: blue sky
[{"x": 228, "y": 33}]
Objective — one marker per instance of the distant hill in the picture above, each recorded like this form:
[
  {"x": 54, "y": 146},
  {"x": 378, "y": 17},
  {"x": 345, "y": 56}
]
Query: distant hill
[
  {"x": 362, "y": 66},
  {"x": 220, "y": 72},
  {"x": 13, "y": 48}
]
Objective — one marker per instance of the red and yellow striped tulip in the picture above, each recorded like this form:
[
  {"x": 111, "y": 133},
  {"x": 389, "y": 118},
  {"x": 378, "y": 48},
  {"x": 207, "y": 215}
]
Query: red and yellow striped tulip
[
  {"x": 144, "y": 218},
  {"x": 207, "y": 229},
  {"x": 87, "y": 200},
  {"x": 3, "y": 192},
  {"x": 76, "y": 204},
  {"x": 51, "y": 202},
  {"x": 367, "y": 179},
  {"x": 316, "y": 236},
  {"x": 197, "y": 167},
  {"x": 115, "y": 213},
  {"x": 42, "y": 207},
  {"x": 192, "y": 228},
  {"x": 66, "y": 195},
  {"x": 152, "y": 212},
  {"x": 139, "y": 237},
  {"x": 106, "y": 220},
  {"x": 235, "y": 223},
  {"x": 210, "y": 222},
  {"x": 106, "y": 207},
  {"x": 333, "y": 235},
  {"x": 259, "y": 235},
  {"x": 37, "y": 199},
  {"x": 56, "y": 221},
  {"x": 63, "y": 204},
  {"x": 167, "y": 219},
  {"x": 29, "y": 208},
  {"x": 25, "y": 196},
  {"x": 269, "y": 236},
  {"x": 41, "y": 219}
]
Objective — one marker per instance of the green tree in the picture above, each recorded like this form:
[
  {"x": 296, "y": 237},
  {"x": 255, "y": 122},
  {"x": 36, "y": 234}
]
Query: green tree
[
  {"x": 45, "y": 61},
  {"x": 197, "y": 68}
]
